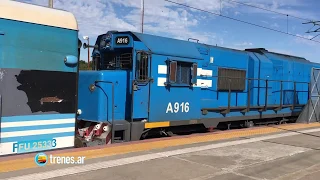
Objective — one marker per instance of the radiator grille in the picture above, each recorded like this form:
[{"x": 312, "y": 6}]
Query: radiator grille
[{"x": 237, "y": 77}]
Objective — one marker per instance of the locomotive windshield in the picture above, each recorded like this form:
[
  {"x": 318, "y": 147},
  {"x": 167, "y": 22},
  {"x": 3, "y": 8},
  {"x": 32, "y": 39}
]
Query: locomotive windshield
[
  {"x": 106, "y": 59},
  {"x": 116, "y": 60}
]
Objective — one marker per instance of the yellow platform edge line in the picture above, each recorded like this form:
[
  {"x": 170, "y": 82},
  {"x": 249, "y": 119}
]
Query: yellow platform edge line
[
  {"x": 157, "y": 124},
  {"x": 26, "y": 163}
]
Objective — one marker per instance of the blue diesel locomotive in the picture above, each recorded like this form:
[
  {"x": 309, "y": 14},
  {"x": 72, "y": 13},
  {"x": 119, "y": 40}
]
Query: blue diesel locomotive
[{"x": 143, "y": 83}]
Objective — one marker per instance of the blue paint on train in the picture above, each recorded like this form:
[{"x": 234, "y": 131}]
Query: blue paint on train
[
  {"x": 97, "y": 104},
  {"x": 38, "y": 75},
  {"x": 38, "y": 44},
  {"x": 169, "y": 93},
  {"x": 36, "y": 117},
  {"x": 19, "y": 139},
  {"x": 37, "y": 127},
  {"x": 17, "y": 128}
]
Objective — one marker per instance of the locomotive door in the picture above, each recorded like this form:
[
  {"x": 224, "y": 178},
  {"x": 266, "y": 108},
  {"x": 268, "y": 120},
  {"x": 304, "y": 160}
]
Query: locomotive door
[{"x": 141, "y": 86}]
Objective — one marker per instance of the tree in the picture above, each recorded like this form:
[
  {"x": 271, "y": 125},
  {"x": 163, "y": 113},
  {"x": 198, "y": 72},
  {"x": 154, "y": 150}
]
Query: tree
[{"x": 83, "y": 65}]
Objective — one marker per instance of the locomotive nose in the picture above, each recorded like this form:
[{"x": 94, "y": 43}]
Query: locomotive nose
[{"x": 101, "y": 95}]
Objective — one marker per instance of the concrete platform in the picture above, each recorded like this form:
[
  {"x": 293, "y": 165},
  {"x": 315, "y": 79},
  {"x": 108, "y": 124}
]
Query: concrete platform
[{"x": 289, "y": 155}]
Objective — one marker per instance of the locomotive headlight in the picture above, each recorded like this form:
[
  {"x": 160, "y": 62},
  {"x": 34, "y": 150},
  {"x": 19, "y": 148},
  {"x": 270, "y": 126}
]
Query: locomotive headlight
[
  {"x": 92, "y": 87},
  {"x": 79, "y": 112}
]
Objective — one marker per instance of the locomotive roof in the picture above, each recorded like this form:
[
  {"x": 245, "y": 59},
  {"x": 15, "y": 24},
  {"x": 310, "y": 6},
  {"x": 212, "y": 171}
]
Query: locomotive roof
[
  {"x": 37, "y": 14},
  {"x": 173, "y": 47},
  {"x": 289, "y": 57},
  {"x": 188, "y": 49}
]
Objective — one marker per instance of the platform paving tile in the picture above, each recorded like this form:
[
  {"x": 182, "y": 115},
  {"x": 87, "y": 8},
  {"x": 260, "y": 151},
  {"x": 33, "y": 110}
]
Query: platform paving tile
[
  {"x": 282, "y": 167},
  {"x": 167, "y": 168},
  {"x": 246, "y": 154},
  {"x": 252, "y": 161},
  {"x": 307, "y": 140}
]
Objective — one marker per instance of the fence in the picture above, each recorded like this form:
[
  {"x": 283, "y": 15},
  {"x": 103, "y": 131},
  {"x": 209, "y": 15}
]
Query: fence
[{"x": 311, "y": 112}]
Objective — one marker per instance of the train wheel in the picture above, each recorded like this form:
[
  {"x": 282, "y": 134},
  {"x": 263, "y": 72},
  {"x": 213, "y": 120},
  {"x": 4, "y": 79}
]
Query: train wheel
[
  {"x": 170, "y": 134},
  {"x": 144, "y": 135},
  {"x": 248, "y": 124},
  {"x": 210, "y": 129}
]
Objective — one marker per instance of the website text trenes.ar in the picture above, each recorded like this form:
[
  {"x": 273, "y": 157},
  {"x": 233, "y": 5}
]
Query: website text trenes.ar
[{"x": 66, "y": 160}]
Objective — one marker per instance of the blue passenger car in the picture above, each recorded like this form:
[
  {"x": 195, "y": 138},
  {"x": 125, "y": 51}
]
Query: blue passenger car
[
  {"x": 38, "y": 78},
  {"x": 142, "y": 82}
]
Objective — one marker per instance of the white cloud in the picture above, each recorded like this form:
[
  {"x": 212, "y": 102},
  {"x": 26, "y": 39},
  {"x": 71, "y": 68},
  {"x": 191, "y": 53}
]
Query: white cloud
[
  {"x": 236, "y": 13},
  {"x": 276, "y": 25},
  {"x": 94, "y": 17},
  {"x": 166, "y": 19},
  {"x": 281, "y": 51},
  {"x": 244, "y": 44},
  {"x": 241, "y": 46},
  {"x": 290, "y": 7},
  {"x": 305, "y": 39},
  {"x": 160, "y": 17}
]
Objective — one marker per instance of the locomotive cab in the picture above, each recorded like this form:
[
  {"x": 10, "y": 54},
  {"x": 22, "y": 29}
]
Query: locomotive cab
[
  {"x": 112, "y": 54},
  {"x": 106, "y": 90}
]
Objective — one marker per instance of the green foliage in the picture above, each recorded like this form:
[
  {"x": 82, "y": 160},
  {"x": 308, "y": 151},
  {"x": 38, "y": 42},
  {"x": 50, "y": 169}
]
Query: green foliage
[{"x": 83, "y": 65}]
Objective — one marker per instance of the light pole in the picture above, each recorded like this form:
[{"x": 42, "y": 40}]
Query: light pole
[
  {"x": 142, "y": 14},
  {"x": 87, "y": 38},
  {"x": 50, "y": 3}
]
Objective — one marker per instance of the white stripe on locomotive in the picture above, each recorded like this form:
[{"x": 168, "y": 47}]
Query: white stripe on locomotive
[{"x": 202, "y": 83}]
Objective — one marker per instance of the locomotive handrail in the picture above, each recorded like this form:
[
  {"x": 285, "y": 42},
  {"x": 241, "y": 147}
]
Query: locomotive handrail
[
  {"x": 294, "y": 95},
  {"x": 132, "y": 98},
  {"x": 265, "y": 107},
  {"x": 266, "y": 96},
  {"x": 274, "y": 80},
  {"x": 112, "y": 121},
  {"x": 193, "y": 39}
]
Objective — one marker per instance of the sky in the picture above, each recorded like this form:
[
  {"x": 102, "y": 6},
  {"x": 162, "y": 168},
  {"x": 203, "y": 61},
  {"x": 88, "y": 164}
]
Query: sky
[{"x": 166, "y": 19}]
